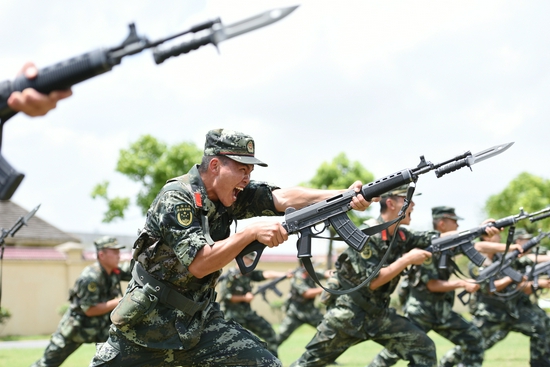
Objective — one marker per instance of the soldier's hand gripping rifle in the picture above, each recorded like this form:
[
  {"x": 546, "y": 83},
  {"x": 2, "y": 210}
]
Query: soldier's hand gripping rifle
[
  {"x": 504, "y": 266},
  {"x": 67, "y": 73},
  {"x": 333, "y": 211},
  {"x": 22, "y": 221}
]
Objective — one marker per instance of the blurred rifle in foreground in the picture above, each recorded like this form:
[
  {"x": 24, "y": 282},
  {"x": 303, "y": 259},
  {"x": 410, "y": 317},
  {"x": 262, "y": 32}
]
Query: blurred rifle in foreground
[{"x": 69, "y": 72}]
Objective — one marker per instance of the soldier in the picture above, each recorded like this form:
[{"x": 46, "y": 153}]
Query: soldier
[
  {"x": 496, "y": 315},
  {"x": 300, "y": 305},
  {"x": 236, "y": 296},
  {"x": 168, "y": 315},
  {"x": 365, "y": 314},
  {"x": 94, "y": 295},
  {"x": 431, "y": 298}
]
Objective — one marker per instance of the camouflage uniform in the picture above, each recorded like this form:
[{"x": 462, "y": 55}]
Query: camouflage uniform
[
  {"x": 365, "y": 314},
  {"x": 433, "y": 311},
  {"x": 148, "y": 331},
  {"x": 92, "y": 287},
  {"x": 300, "y": 310},
  {"x": 238, "y": 284},
  {"x": 496, "y": 317}
]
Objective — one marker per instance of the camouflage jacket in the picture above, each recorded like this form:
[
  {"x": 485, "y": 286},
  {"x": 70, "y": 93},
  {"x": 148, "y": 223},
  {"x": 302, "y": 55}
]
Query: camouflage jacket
[
  {"x": 237, "y": 284},
  {"x": 92, "y": 287},
  {"x": 433, "y": 306},
  {"x": 175, "y": 219},
  {"x": 354, "y": 267}
]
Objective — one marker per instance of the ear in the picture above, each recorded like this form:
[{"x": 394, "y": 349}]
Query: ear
[{"x": 214, "y": 165}]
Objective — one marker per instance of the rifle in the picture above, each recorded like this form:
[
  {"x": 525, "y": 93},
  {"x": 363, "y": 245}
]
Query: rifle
[
  {"x": 504, "y": 266},
  {"x": 533, "y": 273},
  {"x": 67, "y": 73},
  {"x": 22, "y": 221},
  {"x": 333, "y": 211},
  {"x": 273, "y": 286}
]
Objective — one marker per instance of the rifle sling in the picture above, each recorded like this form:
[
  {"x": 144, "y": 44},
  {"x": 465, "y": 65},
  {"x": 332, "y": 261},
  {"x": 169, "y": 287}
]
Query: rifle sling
[
  {"x": 369, "y": 232},
  {"x": 168, "y": 295}
]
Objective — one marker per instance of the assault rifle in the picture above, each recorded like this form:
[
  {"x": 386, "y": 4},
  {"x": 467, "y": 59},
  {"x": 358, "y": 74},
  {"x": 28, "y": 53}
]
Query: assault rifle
[
  {"x": 272, "y": 285},
  {"x": 67, "y": 73},
  {"x": 504, "y": 266},
  {"x": 22, "y": 221},
  {"x": 333, "y": 211},
  {"x": 533, "y": 273}
]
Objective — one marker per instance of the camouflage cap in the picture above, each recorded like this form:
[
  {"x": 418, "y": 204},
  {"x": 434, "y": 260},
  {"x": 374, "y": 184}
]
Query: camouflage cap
[
  {"x": 522, "y": 234},
  {"x": 107, "y": 242},
  {"x": 444, "y": 212},
  {"x": 232, "y": 144},
  {"x": 400, "y": 191}
]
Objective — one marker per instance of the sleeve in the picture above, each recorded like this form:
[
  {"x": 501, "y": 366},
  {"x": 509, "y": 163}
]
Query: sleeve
[
  {"x": 179, "y": 225},
  {"x": 256, "y": 200},
  {"x": 88, "y": 290},
  {"x": 428, "y": 270},
  {"x": 419, "y": 239},
  {"x": 257, "y": 276}
]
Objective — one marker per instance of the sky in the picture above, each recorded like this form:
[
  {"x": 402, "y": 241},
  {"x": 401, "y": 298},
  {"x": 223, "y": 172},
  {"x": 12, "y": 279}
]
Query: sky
[{"x": 383, "y": 82}]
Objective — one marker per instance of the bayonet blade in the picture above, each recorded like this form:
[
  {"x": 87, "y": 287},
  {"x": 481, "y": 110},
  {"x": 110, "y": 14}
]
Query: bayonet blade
[
  {"x": 250, "y": 24},
  {"x": 490, "y": 152}
]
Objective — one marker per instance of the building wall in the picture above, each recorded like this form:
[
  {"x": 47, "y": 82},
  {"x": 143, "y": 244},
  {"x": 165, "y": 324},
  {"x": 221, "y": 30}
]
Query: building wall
[{"x": 35, "y": 290}]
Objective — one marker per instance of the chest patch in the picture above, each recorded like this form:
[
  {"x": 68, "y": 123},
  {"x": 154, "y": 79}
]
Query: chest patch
[{"x": 184, "y": 214}]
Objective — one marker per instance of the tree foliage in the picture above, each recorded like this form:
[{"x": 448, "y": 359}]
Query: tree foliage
[
  {"x": 526, "y": 191},
  {"x": 338, "y": 174},
  {"x": 150, "y": 163},
  {"x": 341, "y": 173}
]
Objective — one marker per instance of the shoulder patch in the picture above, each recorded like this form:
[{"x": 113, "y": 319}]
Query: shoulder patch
[
  {"x": 92, "y": 287},
  {"x": 428, "y": 261},
  {"x": 184, "y": 214}
]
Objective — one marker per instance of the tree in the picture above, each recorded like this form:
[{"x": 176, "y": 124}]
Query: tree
[
  {"x": 338, "y": 174},
  {"x": 526, "y": 191},
  {"x": 150, "y": 163}
]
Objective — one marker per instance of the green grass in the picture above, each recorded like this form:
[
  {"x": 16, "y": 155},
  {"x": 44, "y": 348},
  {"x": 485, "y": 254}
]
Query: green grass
[{"x": 511, "y": 352}]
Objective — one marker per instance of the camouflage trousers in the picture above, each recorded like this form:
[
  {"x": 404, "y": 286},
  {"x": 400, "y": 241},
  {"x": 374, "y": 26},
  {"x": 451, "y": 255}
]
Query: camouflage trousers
[
  {"x": 294, "y": 318},
  {"x": 57, "y": 351},
  {"x": 528, "y": 323},
  {"x": 222, "y": 343},
  {"x": 455, "y": 329},
  {"x": 344, "y": 326},
  {"x": 259, "y": 326}
]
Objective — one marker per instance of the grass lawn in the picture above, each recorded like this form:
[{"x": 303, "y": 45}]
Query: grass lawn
[{"x": 512, "y": 352}]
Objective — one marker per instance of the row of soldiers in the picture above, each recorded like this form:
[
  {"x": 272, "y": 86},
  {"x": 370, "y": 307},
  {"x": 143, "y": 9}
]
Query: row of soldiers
[
  {"x": 426, "y": 293},
  {"x": 169, "y": 315}
]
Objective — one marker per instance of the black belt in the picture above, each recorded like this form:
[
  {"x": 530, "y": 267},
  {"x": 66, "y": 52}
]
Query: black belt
[{"x": 169, "y": 296}]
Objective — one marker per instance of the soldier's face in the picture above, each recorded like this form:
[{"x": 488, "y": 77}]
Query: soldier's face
[
  {"x": 109, "y": 258},
  {"x": 231, "y": 178},
  {"x": 448, "y": 225}
]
